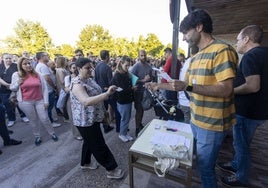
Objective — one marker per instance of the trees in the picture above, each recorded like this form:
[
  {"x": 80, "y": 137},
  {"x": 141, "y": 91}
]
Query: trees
[
  {"x": 94, "y": 38},
  {"x": 30, "y": 36},
  {"x": 153, "y": 45}
]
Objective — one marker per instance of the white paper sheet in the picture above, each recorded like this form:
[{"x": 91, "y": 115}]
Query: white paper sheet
[
  {"x": 162, "y": 138},
  {"x": 165, "y": 76},
  {"x": 183, "y": 127}
]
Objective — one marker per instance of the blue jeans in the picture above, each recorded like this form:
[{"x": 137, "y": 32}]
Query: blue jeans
[
  {"x": 243, "y": 132},
  {"x": 125, "y": 112},
  {"x": 208, "y": 144},
  {"x": 51, "y": 102}
]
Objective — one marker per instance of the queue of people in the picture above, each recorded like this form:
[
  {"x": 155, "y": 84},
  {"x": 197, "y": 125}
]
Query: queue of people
[
  {"x": 36, "y": 86},
  {"x": 216, "y": 94}
]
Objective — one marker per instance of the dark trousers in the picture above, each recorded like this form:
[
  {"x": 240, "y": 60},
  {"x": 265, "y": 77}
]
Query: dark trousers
[
  {"x": 51, "y": 102},
  {"x": 138, "y": 106},
  {"x": 10, "y": 110},
  {"x": 117, "y": 115},
  {"x": 94, "y": 143},
  {"x": 3, "y": 128}
]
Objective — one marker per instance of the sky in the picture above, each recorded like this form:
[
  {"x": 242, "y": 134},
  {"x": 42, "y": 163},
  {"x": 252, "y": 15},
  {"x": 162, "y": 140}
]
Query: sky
[{"x": 64, "y": 19}]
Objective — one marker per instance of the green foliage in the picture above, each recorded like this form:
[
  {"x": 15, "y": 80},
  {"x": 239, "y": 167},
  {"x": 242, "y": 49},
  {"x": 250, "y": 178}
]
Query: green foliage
[
  {"x": 153, "y": 45},
  {"x": 94, "y": 39},
  {"x": 65, "y": 50},
  {"x": 32, "y": 37}
]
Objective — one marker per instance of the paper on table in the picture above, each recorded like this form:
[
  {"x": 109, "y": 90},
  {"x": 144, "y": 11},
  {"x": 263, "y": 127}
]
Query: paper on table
[
  {"x": 162, "y": 138},
  {"x": 183, "y": 127},
  {"x": 134, "y": 79}
]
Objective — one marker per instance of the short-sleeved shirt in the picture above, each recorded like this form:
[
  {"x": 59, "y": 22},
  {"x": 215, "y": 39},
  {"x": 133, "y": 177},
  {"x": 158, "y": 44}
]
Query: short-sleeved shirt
[
  {"x": 141, "y": 70},
  {"x": 213, "y": 64},
  {"x": 31, "y": 88},
  {"x": 85, "y": 116},
  {"x": 253, "y": 105},
  {"x": 43, "y": 70}
]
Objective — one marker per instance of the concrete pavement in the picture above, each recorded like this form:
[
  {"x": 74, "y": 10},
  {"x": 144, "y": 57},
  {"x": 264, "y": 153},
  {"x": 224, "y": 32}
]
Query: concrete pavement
[{"x": 56, "y": 164}]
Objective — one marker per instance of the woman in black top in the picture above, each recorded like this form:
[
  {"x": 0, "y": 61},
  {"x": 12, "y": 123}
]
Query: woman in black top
[{"x": 124, "y": 96}]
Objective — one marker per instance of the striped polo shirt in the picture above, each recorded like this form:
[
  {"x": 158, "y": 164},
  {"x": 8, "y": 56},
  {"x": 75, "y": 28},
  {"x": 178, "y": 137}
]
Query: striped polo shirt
[{"x": 213, "y": 64}]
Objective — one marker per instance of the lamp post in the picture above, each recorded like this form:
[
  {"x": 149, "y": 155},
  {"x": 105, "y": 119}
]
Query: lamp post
[{"x": 174, "y": 8}]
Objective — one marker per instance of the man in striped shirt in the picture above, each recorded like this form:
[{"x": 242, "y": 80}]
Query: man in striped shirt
[{"x": 209, "y": 80}]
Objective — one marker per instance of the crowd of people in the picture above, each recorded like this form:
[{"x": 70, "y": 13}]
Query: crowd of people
[
  {"x": 215, "y": 92},
  {"x": 89, "y": 94}
]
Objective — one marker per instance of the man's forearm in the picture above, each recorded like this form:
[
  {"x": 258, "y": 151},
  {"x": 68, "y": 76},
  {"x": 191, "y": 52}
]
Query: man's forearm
[{"x": 212, "y": 90}]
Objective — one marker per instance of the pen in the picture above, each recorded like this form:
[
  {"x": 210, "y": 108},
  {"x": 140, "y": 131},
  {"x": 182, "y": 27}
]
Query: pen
[{"x": 173, "y": 130}]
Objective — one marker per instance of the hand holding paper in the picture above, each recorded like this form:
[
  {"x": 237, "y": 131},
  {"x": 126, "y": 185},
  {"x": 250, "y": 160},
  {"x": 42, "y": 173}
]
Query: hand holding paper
[
  {"x": 134, "y": 79},
  {"x": 119, "y": 89},
  {"x": 165, "y": 76}
]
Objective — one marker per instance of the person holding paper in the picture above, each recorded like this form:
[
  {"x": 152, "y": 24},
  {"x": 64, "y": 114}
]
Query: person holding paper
[
  {"x": 143, "y": 71},
  {"x": 170, "y": 95},
  {"x": 124, "y": 96},
  {"x": 88, "y": 112},
  {"x": 210, "y": 83}
]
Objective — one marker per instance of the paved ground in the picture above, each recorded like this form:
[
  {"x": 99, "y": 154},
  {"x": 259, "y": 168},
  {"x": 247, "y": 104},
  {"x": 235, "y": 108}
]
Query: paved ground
[{"x": 56, "y": 164}]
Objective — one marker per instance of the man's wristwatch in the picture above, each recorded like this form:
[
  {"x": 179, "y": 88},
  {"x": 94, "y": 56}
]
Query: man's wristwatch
[{"x": 189, "y": 88}]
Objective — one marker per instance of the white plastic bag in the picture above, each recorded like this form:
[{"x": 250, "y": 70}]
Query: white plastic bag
[
  {"x": 168, "y": 158},
  {"x": 62, "y": 99}
]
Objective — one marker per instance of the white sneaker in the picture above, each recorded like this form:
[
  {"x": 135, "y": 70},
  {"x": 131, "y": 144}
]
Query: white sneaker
[
  {"x": 123, "y": 138},
  {"x": 55, "y": 124},
  {"x": 25, "y": 119},
  {"x": 10, "y": 123},
  {"x": 115, "y": 174},
  {"x": 130, "y": 138},
  {"x": 92, "y": 166}
]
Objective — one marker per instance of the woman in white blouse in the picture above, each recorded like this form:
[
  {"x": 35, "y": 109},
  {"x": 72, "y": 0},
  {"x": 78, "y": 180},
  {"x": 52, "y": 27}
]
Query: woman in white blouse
[{"x": 32, "y": 96}]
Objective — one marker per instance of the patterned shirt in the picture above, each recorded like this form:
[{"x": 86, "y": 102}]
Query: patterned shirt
[
  {"x": 215, "y": 63},
  {"x": 84, "y": 116}
]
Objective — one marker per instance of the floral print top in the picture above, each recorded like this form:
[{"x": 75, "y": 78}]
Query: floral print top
[{"x": 84, "y": 116}]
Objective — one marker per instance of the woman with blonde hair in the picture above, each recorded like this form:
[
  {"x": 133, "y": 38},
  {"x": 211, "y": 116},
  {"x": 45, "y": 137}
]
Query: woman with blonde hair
[
  {"x": 32, "y": 96},
  {"x": 125, "y": 97}
]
